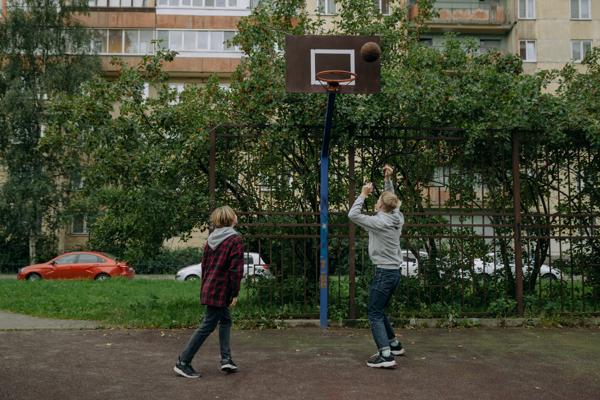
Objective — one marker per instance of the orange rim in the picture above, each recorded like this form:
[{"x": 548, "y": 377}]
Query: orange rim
[{"x": 334, "y": 83}]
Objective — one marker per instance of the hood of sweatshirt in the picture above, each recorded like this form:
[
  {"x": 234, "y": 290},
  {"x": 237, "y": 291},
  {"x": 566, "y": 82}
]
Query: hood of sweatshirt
[{"x": 219, "y": 235}]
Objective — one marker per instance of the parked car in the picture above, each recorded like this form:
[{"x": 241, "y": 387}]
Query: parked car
[
  {"x": 410, "y": 264},
  {"x": 253, "y": 266},
  {"x": 78, "y": 265},
  {"x": 489, "y": 268}
]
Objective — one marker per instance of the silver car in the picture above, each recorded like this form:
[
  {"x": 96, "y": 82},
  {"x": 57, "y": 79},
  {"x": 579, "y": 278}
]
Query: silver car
[{"x": 253, "y": 266}]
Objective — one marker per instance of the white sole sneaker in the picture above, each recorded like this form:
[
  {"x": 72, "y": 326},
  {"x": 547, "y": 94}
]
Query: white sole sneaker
[
  {"x": 385, "y": 364},
  {"x": 181, "y": 373},
  {"x": 228, "y": 368},
  {"x": 398, "y": 352}
]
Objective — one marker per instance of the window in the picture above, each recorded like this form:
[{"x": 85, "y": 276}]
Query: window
[
  {"x": 89, "y": 259},
  {"x": 146, "y": 91},
  {"x": 326, "y": 7},
  {"x": 122, "y": 41},
  {"x": 383, "y": 6},
  {"x": 579, "y": 49},
  {"x": 79, "y": 226},
  {"x": 70, "y": 259},
  {"x": 197, "y": 40},
  {"x": 427, "y": 42},
  {"x": 580, "y": 9},
  {"x": 527, "y": 9},
  {"x": 488, "y": 45},
  {"x": 199, "y": 3},
  {"x": 527, "y": 50}
]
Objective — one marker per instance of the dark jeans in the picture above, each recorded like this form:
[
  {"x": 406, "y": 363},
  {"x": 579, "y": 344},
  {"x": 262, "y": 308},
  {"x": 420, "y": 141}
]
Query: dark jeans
[
  {"x": 212, "y": 317},
  {"x": 383, "y": 286}
]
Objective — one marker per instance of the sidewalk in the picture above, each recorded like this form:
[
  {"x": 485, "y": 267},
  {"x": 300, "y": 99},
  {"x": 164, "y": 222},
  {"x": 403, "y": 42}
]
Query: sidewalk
[
  {"x": 303, "y": 363},
  {"x": 10, "y": 321}
]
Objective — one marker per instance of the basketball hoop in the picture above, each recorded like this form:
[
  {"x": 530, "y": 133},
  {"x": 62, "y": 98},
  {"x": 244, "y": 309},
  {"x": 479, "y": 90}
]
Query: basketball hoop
[{"x": 331, "y": 80}]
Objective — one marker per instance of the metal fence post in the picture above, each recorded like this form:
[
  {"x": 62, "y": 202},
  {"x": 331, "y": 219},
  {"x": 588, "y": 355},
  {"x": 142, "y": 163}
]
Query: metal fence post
[
  {"x": 516, "y": 154},
  {"x": 351, "y": 236}
]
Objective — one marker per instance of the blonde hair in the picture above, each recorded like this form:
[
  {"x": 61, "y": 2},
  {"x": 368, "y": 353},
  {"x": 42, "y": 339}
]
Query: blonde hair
[
  {"x": 223, "y": 216},
  {"x": 389, "y": 201}
]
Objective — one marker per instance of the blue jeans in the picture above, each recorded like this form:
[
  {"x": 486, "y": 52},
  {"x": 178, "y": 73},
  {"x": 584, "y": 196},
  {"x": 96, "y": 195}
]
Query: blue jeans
[
  {"x": 212, "y": 317},
  {"x": 383, "y": 286}
]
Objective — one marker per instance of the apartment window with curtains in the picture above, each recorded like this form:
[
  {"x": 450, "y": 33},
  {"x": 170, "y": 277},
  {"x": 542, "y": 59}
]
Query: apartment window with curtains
[
  {"x": 527, "y": 9},
  {"x": 383, "y": 6},
  {"x": 326, "y": 7},
  {"x": 120, "y": 3},
  {"x": 122, "y": 41},
  {"x": 200, "y": 3},
  {"x": 581, "y": 9},
  {"x": 527, "y": 50},
  {"x": 579, "y": 49},
  {"x": 194, "y": 40}
]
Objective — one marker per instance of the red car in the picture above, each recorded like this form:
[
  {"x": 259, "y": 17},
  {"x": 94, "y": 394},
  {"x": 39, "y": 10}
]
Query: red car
[{"x": 78, "y": 265}]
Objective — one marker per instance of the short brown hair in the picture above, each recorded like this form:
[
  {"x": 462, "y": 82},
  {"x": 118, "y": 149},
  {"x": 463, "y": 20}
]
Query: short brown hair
[
  {"x": 223, "y": 216},
  {"x": 389, "y": 201}
]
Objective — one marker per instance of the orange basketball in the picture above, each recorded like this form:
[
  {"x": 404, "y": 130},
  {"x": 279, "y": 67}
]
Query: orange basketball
[{"x": 370, "y": 52}]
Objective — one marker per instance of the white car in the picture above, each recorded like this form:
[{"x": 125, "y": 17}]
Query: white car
[
  {"x": 489, "y": 268},
  {"x": 253, "y": 266},
  {"x": 410, "y": 264}
]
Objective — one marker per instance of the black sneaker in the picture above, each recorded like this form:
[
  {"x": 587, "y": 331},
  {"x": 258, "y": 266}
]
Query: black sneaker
[
  {"x": 185, "y": 370},
  {"x": 379, "y": 361},
  {"x": 228, "y": 366},
  {"x": 397, "y": 350}
]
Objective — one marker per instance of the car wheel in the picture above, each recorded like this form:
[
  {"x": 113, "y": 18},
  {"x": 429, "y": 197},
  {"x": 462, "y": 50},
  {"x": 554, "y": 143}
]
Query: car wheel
[
  {"x": 192, "y": 277},
  {"x": 102, "y": 277},
  {"x": 34, "y": 277},
  {"x": 549, "y": 277}
]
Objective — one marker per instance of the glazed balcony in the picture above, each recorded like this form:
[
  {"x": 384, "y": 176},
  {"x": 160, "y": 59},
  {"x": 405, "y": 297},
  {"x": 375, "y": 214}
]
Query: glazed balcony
[{"x": 470, "y": 16}]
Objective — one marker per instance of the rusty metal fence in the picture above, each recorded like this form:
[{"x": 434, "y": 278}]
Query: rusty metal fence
[{"x": 499, "y": 226}]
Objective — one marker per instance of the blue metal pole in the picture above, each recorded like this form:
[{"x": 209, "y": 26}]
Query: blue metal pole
[{"x": 324, "y": 207}]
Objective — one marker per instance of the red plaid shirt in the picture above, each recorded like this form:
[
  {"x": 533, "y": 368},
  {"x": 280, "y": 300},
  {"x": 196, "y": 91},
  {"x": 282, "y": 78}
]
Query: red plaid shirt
[{"x": 222, "y": 270}]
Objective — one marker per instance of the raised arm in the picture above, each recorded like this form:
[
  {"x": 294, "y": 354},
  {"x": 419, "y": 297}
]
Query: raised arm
[
  {"x": 388, "y": 186},
  {"x": 355, "y": 214}
]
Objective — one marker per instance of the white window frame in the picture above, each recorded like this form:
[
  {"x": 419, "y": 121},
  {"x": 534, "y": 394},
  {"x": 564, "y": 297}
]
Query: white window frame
[
  {"x": 579, "y": 16},
  {"x": 122, "y": 52},
  {"x": 379, "y": 6},
  {"x": 323, "y": 7},
  {"x": 85, "y": 231},
  {"x": 529, "y": 14},
  {"x": 580, "y": 43},
  {"x": 202, "y": 4},
  {"x": 172, "y": 45},
  {"x": 527, "y": 41}
]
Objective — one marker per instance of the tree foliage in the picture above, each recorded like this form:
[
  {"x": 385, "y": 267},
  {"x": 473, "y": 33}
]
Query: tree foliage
[{"x": 43, "y": 53}]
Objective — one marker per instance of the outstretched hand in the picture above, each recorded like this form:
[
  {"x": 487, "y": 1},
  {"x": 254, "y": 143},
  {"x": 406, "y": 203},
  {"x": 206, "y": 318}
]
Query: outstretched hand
[
  {"x": 388, "y": 171},
  {"x": 367, "y": 189}
]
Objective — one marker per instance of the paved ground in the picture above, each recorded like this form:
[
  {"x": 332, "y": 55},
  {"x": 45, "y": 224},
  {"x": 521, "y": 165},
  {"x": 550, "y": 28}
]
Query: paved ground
[
  {"x": 302, "y": 363},
  {"x": 11, "y": 321}
]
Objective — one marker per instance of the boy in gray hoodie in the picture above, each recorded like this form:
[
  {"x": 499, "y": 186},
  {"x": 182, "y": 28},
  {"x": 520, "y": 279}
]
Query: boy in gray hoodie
[{"x": 384, "y": 230}]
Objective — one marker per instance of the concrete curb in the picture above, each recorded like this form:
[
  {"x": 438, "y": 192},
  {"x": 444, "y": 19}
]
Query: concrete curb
[{"x": 414, "y": 323}]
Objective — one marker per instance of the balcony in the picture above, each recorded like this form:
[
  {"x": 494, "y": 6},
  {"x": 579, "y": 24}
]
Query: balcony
[{"x": 488, "y": 16}]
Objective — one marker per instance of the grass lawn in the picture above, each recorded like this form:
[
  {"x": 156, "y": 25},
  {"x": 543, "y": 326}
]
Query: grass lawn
[{"x": 118, "y": 302}]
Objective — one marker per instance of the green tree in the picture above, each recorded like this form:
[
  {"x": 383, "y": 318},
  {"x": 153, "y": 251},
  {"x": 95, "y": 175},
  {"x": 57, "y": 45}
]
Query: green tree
[
  {"x": 143, "y": 161},
  {"x": 43, "y": 53}
]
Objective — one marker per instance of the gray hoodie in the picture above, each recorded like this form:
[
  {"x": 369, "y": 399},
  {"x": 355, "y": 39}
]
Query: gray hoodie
[
  {"x": 218, "y": 235},
  {"x": 384, "y": 232}
]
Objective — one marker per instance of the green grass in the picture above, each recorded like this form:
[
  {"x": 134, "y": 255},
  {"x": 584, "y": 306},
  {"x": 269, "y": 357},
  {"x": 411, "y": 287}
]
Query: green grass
[
  {"x": 145, "y": 303},
  {"x": 123, "y": 303}
]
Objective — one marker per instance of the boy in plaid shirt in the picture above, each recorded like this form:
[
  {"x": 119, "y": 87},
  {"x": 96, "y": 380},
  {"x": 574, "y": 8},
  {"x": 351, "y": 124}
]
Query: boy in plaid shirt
[{"x": 222, "y": 270}]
